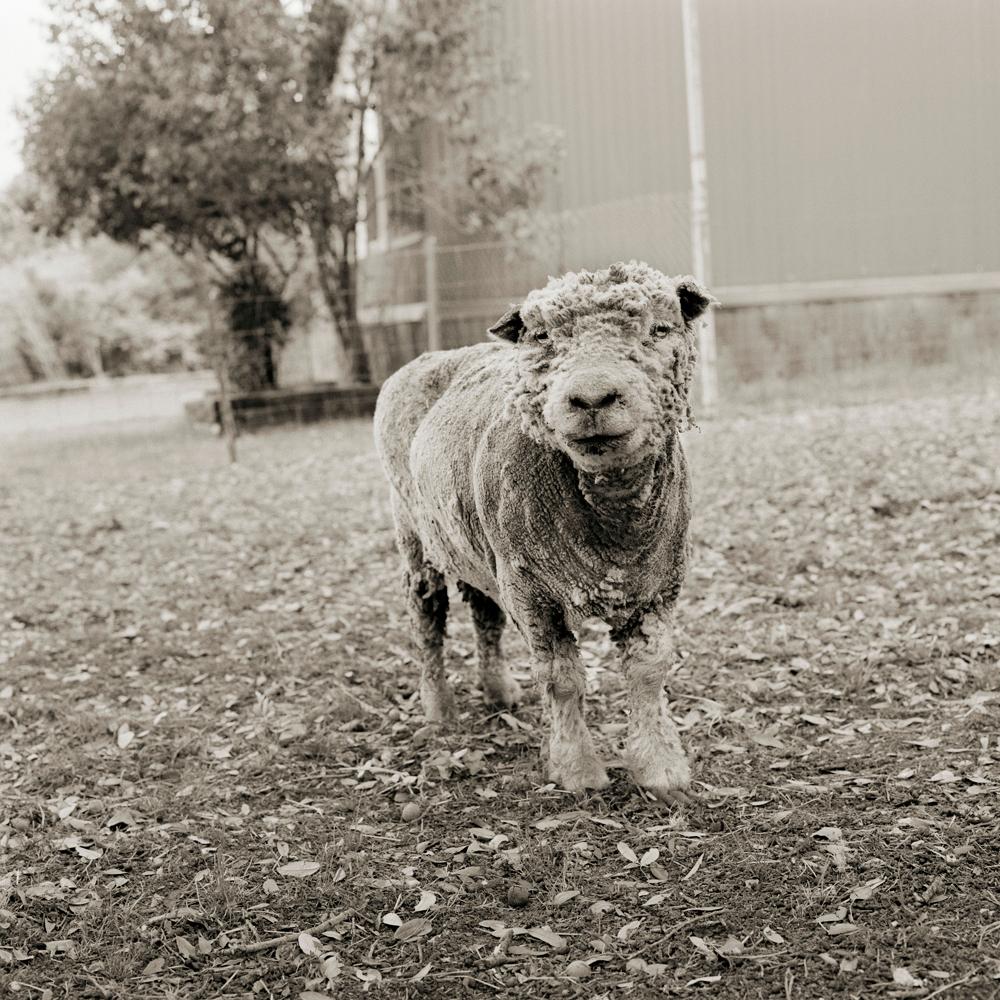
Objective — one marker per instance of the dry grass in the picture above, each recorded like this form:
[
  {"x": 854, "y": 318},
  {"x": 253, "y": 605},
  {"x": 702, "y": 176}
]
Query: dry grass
[{"x": 206, "y": 678}]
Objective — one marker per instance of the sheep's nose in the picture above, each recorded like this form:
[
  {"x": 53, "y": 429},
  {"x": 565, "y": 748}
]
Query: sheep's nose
[{"x": 593, "y": 396}]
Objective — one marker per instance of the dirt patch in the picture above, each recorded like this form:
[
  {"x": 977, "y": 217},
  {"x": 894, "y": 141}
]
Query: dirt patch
[{"x": 210, "y": 740}]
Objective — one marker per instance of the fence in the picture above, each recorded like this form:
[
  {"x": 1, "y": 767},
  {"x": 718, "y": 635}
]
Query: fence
[{"x": 835, "y": 340}]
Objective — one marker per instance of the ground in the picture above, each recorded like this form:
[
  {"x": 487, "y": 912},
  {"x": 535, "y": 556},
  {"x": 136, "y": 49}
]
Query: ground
[{"x": 209, "y": 736}]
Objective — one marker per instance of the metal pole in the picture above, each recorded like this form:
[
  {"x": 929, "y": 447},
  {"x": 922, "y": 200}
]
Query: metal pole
[
  {"x": 433, "y": 320},
  {"x": 700, "y": 234}
]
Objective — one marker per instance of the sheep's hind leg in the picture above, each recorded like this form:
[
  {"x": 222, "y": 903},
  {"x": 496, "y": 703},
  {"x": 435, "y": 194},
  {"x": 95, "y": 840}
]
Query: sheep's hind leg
[
  {"x": 488, "y": 618},
  {"x": 654, "y": 750},
  {"x": 427, "y": 602}
]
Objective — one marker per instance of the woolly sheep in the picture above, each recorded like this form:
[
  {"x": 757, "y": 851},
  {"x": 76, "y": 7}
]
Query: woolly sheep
[{"x": 543, "y": 473}]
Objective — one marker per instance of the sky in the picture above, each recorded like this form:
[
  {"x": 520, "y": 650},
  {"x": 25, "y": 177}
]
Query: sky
[{"x": 24, "y": 55}]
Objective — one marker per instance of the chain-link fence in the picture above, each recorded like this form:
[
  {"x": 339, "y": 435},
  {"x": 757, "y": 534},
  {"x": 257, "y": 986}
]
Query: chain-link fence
[{"x": 782, "y": 344}]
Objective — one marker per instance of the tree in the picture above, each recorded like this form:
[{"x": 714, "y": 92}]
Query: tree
[{"x": 239, "y": 131}]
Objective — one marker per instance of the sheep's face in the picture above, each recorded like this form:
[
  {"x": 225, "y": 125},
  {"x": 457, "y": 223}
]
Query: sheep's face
[{"x": 605, "y": 362}]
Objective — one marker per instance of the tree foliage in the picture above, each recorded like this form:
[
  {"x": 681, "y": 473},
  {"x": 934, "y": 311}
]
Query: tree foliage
[{"x": 241, "y": 131}]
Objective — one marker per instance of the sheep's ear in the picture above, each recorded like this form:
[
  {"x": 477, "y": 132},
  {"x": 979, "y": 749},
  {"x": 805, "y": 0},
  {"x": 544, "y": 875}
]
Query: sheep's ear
[
  {"x": 510, "y": 326},
  {"x": 694, "y": 298}
]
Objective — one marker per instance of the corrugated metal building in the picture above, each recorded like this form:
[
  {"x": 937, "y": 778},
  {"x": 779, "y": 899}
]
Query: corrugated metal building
[{"x": 853, "y": 154}]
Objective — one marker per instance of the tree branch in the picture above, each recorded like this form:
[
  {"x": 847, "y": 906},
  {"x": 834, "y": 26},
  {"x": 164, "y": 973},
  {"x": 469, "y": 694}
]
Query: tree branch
[{"x": 294, "y": 935}]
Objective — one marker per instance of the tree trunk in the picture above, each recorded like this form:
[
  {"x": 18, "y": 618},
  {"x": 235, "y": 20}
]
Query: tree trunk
[{"x": 338, "y": 282}]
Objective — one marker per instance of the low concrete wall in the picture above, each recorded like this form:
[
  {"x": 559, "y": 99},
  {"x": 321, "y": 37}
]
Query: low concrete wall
[
  {"x": 774, "y": 340},
  {"x": 788, "y": 339}
]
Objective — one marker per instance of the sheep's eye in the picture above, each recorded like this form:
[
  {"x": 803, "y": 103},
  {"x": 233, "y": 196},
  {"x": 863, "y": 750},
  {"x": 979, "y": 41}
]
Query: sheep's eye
[
  {"x": 541, "y": 338},
  {"x": 660, "y": 330}
]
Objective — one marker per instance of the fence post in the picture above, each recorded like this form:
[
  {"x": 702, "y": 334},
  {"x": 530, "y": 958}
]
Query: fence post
[
  {"x": 700, "y": 242},
  {"x": 431, "y": 293}
]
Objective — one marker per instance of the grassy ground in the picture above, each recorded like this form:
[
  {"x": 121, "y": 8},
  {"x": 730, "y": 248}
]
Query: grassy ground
[{"x": 209, "y": 737}]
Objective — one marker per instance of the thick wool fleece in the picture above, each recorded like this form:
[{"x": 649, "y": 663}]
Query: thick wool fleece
[{"x": 545, "y": 474}]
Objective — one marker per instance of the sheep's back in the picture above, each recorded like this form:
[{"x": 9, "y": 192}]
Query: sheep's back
[{"x": 430, "y": 419}]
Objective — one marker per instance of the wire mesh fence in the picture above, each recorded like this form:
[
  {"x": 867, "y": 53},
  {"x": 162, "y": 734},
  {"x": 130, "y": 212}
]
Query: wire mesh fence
[
  {"x": 776, "y": 345},
  {"x": 780, "y": 347}
]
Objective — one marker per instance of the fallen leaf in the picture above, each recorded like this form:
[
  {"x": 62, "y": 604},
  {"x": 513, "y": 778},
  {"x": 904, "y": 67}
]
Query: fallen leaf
[
  {"x": 548, "y": 936},
  {"x": 830, "y": 833},
  {"x": 549, "y": 824},
  {"x": 945, "y": 777},
  {"x": 418, "y": 927},
  {"x": 496, "y": 927},
  {"x": 694, "y": 868},
  {"x": 649, "y": 857},
  {"x": 330, "y": 967},
  {"x": 153, "y": 967},
  {"x": 836, "y": 930},
  {"x": 578, "y": 970},
  {"x": 836, "y": 847},
  {"x": 417, "y": 976},
  {"x": 729, "y": 948},
  {"x": 300, "y": 869},
  {"x": 61, "y": 947},
  {"x": 565, "y": 896},
  {"x": 773, "y": 936},
  {"x": 628, "y": 930},
  {"x": 604, "y": 821},
  {"x": 426, "y": 901},
  {"x": 902, "y": 976},
  {"x": 310, "y": 945},
  {"x": 185, "y": 947},
  {"x": 862, "y": 892},
  {"x": 627, "y": 853},
  {"x": 120, "y": 818}
]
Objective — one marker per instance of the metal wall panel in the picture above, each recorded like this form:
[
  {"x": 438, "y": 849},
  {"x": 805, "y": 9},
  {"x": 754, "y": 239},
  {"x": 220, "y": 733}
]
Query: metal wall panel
[
  {"x": 846, "y": 138},
  {"x": 610, "y": 75},
  {"x": 852, "y": 138}
]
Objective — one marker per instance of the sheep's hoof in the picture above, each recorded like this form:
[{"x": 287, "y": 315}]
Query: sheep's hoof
[
  {"x": 502, "y": 689},
  {"x": 578, "y": 774},
  {"x": 673, "y": 796},
  {"x": 438, "y": 704},
  {"x": 670, "y": 783}
]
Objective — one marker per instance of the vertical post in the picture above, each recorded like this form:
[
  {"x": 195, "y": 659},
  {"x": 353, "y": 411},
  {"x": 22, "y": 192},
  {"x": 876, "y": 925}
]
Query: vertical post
[
  {"x": 431, "y": 293},
  {"x": 700, "y": 235},
  {"x": 222, "y": 356}
]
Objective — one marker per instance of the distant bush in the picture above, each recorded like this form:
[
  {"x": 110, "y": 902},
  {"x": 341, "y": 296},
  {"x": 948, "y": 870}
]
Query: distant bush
[{"x": 80, "y": 308}]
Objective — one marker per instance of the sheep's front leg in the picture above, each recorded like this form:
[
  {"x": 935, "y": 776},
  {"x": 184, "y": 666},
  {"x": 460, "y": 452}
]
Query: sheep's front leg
[
  {"x": 569, "y": 757},
  {"x": 653, "y": 747}
]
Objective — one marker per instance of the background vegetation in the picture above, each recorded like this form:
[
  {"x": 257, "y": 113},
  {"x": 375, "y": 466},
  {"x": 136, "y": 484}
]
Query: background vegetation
[{"x": 242, "y": 134}]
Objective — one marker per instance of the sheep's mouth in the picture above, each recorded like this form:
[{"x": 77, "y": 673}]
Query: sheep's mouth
[{"x": 600, "y": 442}]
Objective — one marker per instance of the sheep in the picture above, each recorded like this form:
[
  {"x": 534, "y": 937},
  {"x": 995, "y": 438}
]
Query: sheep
[{"x": 543, "y": 472}]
